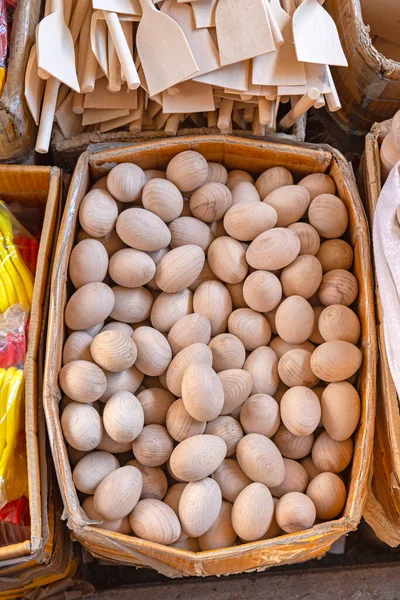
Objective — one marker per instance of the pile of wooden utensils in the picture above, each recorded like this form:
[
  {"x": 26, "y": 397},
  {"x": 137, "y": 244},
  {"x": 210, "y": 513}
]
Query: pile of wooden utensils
[{"x": 104, "y": 65}]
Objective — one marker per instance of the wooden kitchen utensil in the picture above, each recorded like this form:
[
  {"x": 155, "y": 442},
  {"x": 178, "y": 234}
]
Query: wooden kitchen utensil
[
  {"x": 47, "y": 115},
  {"x": 114, "y": 71},
  {"x": 204, "y": 13},
  {"x": 193, "y": 97},
  {"x": 98, "y": 39},
  {"x": 34, "y": 86},
  {"x": 69, "y": 122},
  {"x": 298, "y": 110},
  {"x": 97, "y": 115},
  {"x": 101, "y": 98},
  {"x": 126, "y": 7},
  {"x": 235, "y": 76},
  {"x": 122, "y": 49}
]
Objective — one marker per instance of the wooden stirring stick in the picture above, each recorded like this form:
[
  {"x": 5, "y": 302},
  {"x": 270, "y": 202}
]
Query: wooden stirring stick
[
  {"x": 114, "y": 67},
  {"x": 122, "y": 49},
  {"x": 302, "y": 106}
]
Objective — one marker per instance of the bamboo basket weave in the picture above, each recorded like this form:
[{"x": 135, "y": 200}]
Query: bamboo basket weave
[{"x": 234, "y": 153}]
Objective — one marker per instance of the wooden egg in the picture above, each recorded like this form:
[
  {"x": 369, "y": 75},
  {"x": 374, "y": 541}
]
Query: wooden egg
[
  {"x": 153, "y": 351},
  {"x": 260, "y": 459},
  {"x": 131, "y": 268},
  {"x": 155, "y": 403},
  {"x": 236, "y": 176},
  {"x": 142, "y": 230},
  {"x": 117, "y": 326},
  {"x": 221, "y": 534},
  {"x": 187, "y": 170},
  {"x": 210, "y": 202},
  {"x": 308, "y": 236},
  {"x": 153, "y": 446},
  {"x": 341, "y": 409},
  {"x": 389, "y": 153},
  {"x": 230, "y": 479},
  {"x": 273, "y": 249},
  {"x": 250, "y": 327},
  {"x": 260, "y": 414},
  {"x": 303, "y": 277},
  {"x": 300, "y": 410},
  {"x": 212, "y": 299},
  {"x": 132, "y": 305},
  {"x": 125, "y": 182},
  {"x": 227, "y": 259},
  {"x": 330, "y": 455},
  {"x": 155, "y": 484},
  {"x": 273, "y": 179},
  {"x": 77, "y": 347},
  {"x": 123, "y": 417},
  {"x": 236, "y": 292},
  {"x": 280, "y": 347},
  {"x": 180, "y": 424},
  {"x": 244, "y": 192},
  {"x": 91, "y": 470},
  {"x": 296, "y": 479},
  {"x": 169, "y": 308},
  {"x": 294, "y": 320},
  {"x": 338, "y": 287},
  {"x": 173, "y": 496},
  {"x": 328, "y": 214},
  {"x": 317, "y": 184},
  {"x": 282, "y": 388},
  {"x": 82, "y": 381},
  {"x": 309, "y": 466},
  {"x": 228, "y": 352},
  {"x": 217, "y": 173},
  {"x": 95, "y": 329},
  {"x": 156, "y": 256},
  {"x": 338, "y": 322},
  {"x": 154, "y": 174},
  {"x": 293, "y": 446},
  {"x": 335, "y": 254},
  {"x": 295, "y": 512},
  {"x": 217, "y": 228},
  {"x": 206, "y": 274},
  {"x": 290, "y": 203},
  {"x": 196, "y": 353},
  {"x": 88, "y": 262},
  {"x": 262, "y": 364},
  {"x": 125, "y": 381},
  {"x": 113, "y": 351},
  {"x": 237, "y": 385},
  {"x": 100, "y": 184},
  {"x": 179, "y": 268},
  {"x": 82, "y": 426},
  {"x": 188, "y": 230},
  {"x": 111, "y": 242},
  {"x": 245, "y": 223},
  {"x": 118, "y": 493},
  {"x": 107, "y": 444},
  {"x": 202, "y": 392},
  {"x": 118, "y": 525},
  {"x": 98, "y": 212},
  {"x": 197, "y": 457},
  {"x": 155, "y": 521},
  {"x": 316, "y": 336},
  {"x": 188, "y": 330},
  {"x": 199, "y": 506},
  {"x": 252, "y": 512},
  {"x": 228, "y": 429},
  {"x": 262, "y": 291},
  {"x": 191, "y": 544},
  {"x": 163, "y": 199},
  {"x": 328, "y": 493},
  {"x": 89, "y": 305},
  {"x": 294, "y": 369},
  {"x": 336, "y": 360}
]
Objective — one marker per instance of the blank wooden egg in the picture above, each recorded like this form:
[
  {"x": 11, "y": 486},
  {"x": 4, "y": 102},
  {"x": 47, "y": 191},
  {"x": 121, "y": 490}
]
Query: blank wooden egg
[
  {"x": 280, "y": 347},
  {"x": 212, "y": 299},
  {"x": 202, "y": 392},
  {"x": 100, "y": 184},
  {"x": 142, "y": 230},
  {"x": 296, "y": 479},
  {"x": 173, "y": 496},
  {"x": 111, "y": 241},
  {"x": 294, "y": 369},
  {"x": 199, "y": 506},
  {"x": 107, "y": 444},
  {"x": 295, "y": 512},
  {"x": 237, "y": 385},
  {"x": 98, "y": 213},
  {"x": 293, "y": 446},
  {"x": 163, "y": 199},
  {"x": 131, "y": 268},
  {"x": 89, "y": 305},
  {"x": 252, "y": 512},
  {"x": 179, "y": 268},
  {"x": 245, "y": 223},
  {"x": 82, "y": 381},
  {"x": 155, "y": 403},
  {"x": 228, "y": 429},
  {"x": 132, "y": 305},
  {"x": 210, "y": 202},
  {"x": 216, "y": 172},
  {"x": 290, "y": 203},
  {"x": 294, "y": 320},
  {"x": 91, "y": 470},
  {"x": 169, "y": 308},
  {"x": 113, "y": 351},
  {"x": 338, "y": 322},
  {"x": 95, "y": 329},
  {"x": 250, "y": 327},
  {"x": 88, "y": 262},
  {"x": 331, "y": 455},
  {"x": 335, "y": 254},
  {"x": 153, "y": 351},
  {"x": 262, "y": 291},
  {"x": 187, "y": 170},
  {"x": 300, "y": 410},
  {"x": 245, "y": 192},
  {"x": 155, "y": 484},
  {"x": 260, "y": 459},
  {"x": 336, "y": 360},
  {"x": 338, "y": 287},
  {"x": 228, "y": 352},
  {"x": 197, "y": 457},
  {"x": 118, "y": 493},
  {"x": 118, "y": 525},
  {"x": 77, "y": 347},
  {"x": 236, "y": 176},
  {"x": 303, "y": 277},
  {"x": 317, "y": 184},
  {"x": 230, "y": 479},
  {"x": 82, "y": 426},
  {"x": 341, "y": 409},
  {"x": 125, "y": 182},
  {"x": 328, "y": 214},
  {"x": 155, "y": 521},
  {"x": 180, "y": 424},
  {"x": 123, "y": 417},
  {"x": 262, "y": 364},
  {"x": 308, "y": 236},
  {"x": 188, "y": 230},
  {"x": 206, "y": 274},
  {"x": 117, "y": 326},
  {"x": 221, "y": 534},
  {"x": 273, "y": 249},
  {"x": 328, "y": 493},
  {"x": 153, "y": 446},
  {"x": 316, "y": 336},
  {"x": 227, "y": 259},
  {"x": 217, "y": 228},
  {"x": 309, "y": 466},
  {"x": 273, "y": 179},
  {"x": 156, "y": 256},
  {"x": 260, "y": 414},
  {"x": 191, "y": 329},
  {"x": 282, "y": 388},
  {"x": 196, "y": 353},
  {"x": 189, "y": 543},
  {"x": 153, "y": 174}
]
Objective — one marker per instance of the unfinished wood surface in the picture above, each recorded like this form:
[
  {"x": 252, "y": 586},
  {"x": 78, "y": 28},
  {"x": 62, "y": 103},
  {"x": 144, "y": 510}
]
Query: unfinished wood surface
[
  {"x": 82, "y": 46},
  {"x": 80, "y": 9},
  {"x": 127, "y": 7},
  {"x": 120, "y": 121},
  {"x": 122, "y": 49},
  {"x": 383, "y": 17},
  {"x": 114, "y": 70},
  {"x": 273, "y": 23},
  {"x": 94, "y": 115},
  {"x": 316, "y": 76},
  {"x": 234, "y": 76},
  {"x": 69, "y": 122},
  {"x": 47, "y": 115},
  {"x": 102, "y": 98},
  {"x": 98, "y": 39},
  {"x": 193, "y": 97},
  {"x": 34, "y": 86},
  {"x": 302, "y": 106},
  {"x": 204, "y": 13}
]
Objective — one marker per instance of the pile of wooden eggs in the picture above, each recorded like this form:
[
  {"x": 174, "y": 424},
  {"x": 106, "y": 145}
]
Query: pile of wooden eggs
[{"x": 210, "y": 368}]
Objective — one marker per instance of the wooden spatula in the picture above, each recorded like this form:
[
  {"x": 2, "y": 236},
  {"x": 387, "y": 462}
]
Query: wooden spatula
[
  {"x": 163, "y": 50},
  {"x": 122, "y": 49},
  {"x": 34, "y": 86},
  {"x": 127, "y": 7},
  {"x": 204, "y": 13},
  {"x": 315, "y": 36},
  {"x": 235, "y": 76}
]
